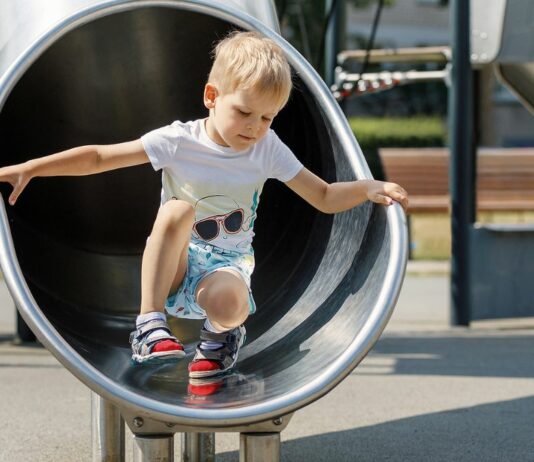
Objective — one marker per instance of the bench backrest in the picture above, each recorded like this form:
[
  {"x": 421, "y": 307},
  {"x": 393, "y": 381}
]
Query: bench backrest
[{"x": 505, "y": 177}]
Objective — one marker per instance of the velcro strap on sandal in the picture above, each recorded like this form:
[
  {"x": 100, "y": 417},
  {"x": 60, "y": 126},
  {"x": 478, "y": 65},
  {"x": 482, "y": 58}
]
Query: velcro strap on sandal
[
  {"x": 150, "y": 326},
  {"x": 213, "y": 355},
  {"x": 221, "y": 337},
  {"x": 160, "y": 336}
]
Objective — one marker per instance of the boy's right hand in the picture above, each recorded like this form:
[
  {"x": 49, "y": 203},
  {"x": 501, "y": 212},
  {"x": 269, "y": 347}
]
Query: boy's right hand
[{"x": 18, "y": 176}]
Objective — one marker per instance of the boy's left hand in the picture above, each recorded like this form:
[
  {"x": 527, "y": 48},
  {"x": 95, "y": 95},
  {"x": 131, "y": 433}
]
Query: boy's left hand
[{"x": 385, "y": 193}]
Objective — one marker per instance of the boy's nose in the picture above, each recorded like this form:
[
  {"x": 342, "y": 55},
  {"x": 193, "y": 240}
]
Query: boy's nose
[{"x": 253, "y": 125}]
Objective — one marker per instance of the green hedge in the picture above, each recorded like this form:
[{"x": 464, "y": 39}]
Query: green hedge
[{"x": 374, "y": 133}]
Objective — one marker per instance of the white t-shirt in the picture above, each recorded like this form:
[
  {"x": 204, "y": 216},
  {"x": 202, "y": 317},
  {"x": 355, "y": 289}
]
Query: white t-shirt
[{"x": 222, "y": 185}]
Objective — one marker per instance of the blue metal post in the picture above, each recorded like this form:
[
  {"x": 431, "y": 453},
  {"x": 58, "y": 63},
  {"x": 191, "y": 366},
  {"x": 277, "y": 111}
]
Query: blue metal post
[
  {"x": 463, "y": 162},
  {"x": 334, "y": 38}
]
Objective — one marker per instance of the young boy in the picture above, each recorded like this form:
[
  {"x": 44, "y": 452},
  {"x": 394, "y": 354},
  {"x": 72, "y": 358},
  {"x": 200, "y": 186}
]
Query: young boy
[{"x": 198, "y": 259}]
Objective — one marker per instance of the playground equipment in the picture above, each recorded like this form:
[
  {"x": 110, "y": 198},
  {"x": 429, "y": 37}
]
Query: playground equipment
[
  {"x": 497, "y": 34},
  {"x": 88, "y": 71},
  {"x": 501, "y": 36},
  {"x": 355, "y": 84},
  {"x": 499, "y": 255}
]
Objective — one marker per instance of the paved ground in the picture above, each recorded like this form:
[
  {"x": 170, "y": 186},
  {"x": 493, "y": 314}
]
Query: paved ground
[{"x": 427, "y": 392}]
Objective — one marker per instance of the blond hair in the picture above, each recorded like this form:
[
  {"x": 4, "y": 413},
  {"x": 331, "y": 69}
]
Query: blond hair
[{"x": 250, "y": 61}]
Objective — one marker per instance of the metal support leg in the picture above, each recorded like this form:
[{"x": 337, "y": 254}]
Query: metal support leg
[
  {"x": 198, "y": 447},
  {"x": 107, "y": 431},
  {"x": 259, "y": 447},
  {"x": 153, "y": 448}
]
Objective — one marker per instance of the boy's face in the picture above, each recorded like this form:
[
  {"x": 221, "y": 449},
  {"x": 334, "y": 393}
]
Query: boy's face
[{"x": 238, "y": 119}]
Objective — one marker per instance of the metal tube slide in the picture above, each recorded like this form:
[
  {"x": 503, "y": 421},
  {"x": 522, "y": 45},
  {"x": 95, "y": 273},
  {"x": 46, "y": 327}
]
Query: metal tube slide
[{"x": 109, "y": 71}]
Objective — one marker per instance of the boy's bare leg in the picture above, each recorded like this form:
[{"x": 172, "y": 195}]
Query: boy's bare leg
[
  {"x": 165, "y": 256},
  {"x": 225, "y": 298},
  {"x": 163, "y": 269}
]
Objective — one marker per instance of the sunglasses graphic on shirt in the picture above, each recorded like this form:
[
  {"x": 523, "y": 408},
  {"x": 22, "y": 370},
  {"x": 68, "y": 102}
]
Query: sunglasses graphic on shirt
[{"x": 209, "y": 228}]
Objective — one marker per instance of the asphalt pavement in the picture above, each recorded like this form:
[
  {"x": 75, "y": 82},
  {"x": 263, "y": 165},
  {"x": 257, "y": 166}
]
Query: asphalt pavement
[{"x": 426, "y": 392}]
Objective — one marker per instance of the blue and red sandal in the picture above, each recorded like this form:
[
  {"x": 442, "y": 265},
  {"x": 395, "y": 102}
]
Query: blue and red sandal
[
  {"x": 163, "y": 347},
  {"x": 209, "y": 363}
]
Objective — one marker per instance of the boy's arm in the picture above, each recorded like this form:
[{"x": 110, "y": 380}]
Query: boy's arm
[
  {"x": 83, "y": 160},
  {"x": 337, "y": 197}
]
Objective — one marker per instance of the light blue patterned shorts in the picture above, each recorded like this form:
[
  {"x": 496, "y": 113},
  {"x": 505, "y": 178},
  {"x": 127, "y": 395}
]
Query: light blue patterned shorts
[{"x": 203, "y": 260}]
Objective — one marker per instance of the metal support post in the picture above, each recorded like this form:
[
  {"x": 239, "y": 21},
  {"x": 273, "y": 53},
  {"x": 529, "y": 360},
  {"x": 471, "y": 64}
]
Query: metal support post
[
  {"x": 107, "y": 431},
  {"x": 259, "y": 447},
  {"x": 198, "y": 447},
  {"x": 463, "y": 162},
  {"x": 153, "y": 448},
  {"x": 334, "y": 39}
]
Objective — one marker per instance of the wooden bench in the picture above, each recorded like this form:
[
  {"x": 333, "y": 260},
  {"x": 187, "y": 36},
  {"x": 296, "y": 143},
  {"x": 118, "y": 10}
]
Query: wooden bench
[{"x": 505, "y": 177}]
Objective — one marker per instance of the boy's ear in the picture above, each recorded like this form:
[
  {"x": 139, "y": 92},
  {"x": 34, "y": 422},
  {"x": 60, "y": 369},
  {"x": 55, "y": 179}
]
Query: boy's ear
[{"x": 210, "y": 94}]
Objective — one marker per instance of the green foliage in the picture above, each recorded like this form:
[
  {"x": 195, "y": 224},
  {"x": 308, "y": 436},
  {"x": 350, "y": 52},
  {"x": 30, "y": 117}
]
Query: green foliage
[
  {"x": 375, "y": 133},
  {"x": 411, "y": 131}
]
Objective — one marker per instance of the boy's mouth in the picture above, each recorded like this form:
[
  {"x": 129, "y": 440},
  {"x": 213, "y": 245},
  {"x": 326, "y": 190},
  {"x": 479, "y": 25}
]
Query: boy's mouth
[{"x": 246, "y": 138}]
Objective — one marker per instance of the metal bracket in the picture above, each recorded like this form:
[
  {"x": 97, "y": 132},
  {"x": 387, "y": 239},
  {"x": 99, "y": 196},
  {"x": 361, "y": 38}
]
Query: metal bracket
[{"x": 143, "y": 425}]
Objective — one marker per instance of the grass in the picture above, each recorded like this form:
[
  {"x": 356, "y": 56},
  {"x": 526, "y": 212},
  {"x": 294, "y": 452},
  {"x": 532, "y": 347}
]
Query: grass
[
  {"x": 430, "y": 233},
  {"x": 430, "y": 236},
  {"x": 399, "y": 132}
]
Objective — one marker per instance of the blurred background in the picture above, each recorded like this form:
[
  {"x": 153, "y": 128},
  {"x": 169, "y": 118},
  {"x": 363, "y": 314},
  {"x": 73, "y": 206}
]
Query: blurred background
[{"x": 411, "y": 115}]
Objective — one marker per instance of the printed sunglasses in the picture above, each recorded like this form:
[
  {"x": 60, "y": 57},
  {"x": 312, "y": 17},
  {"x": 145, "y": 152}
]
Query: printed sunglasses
[{"x": 208, "y": 228}]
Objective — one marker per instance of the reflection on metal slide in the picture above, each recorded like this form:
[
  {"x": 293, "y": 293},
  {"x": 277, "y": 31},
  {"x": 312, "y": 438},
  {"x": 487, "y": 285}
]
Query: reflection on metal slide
[{"x": 83, "y": 72}]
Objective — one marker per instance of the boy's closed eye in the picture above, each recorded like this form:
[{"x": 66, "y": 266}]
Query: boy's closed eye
[{"x": 246, "y": 114}]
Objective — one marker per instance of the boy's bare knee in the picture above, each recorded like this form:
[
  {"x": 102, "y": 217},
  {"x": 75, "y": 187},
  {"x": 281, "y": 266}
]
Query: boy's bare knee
[
  {"x": 225, "y": 306},
  {"x": 229, "y": 318},
  {"x": 220, "y": 301},
  {"x": 177, "y": 212}
]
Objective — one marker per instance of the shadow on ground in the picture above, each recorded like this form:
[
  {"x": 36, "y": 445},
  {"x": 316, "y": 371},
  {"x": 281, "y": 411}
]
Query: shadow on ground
[
  {"x": 491, "y": 432},
  {"x": 451, "y": 354}
]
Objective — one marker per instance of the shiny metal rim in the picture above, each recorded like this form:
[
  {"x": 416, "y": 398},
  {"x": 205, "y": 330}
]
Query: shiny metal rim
[{"x": 95, "y": 380}]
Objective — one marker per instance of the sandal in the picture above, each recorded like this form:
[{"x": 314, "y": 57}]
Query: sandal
[
  {"x": 142, "y": 349},
  {"x": 209, "y": 363},
  {"x": 200, "y": 390}
]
